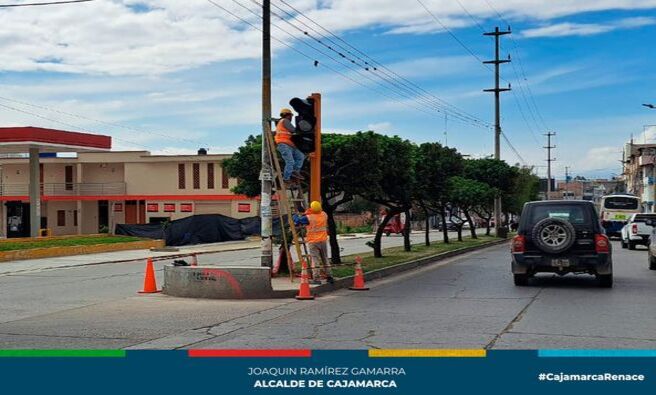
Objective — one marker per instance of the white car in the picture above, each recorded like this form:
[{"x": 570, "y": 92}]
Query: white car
[{"x": 636, "y": 231}]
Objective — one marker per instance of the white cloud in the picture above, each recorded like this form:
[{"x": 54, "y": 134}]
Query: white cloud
[
  {"x": 381, "y": 127},
  {"x": 587, "y": 29},
  {"x": 150, "y": 37}
]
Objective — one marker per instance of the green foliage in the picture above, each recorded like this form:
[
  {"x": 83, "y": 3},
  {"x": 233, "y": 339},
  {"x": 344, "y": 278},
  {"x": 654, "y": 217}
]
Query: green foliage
[
  {"x": 526, "y": 187},
  {"x": 467, "y": 194},
  {"x": 66, "y": 242},
  {"x": 245, "y": 165},
  {"x": 434, "y": 165}
]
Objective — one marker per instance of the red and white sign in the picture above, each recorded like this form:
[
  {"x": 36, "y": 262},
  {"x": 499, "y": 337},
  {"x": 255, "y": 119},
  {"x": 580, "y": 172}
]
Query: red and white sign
[
  {"x": 169, "y": 207},
  {"x": 118, "y": 207},
  {"x": 244, "y": 207},
  {"x": 152, "y": 207},
  {"x": 186, "y": 207}
]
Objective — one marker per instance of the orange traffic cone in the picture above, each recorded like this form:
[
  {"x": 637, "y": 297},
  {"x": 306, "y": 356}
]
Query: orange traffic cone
[
  {"x": 150, "y": 285},
  {"x": 194, "y": 260},
  {"x": 304, "y": 289},
  {"x": 358, "y": 280}
]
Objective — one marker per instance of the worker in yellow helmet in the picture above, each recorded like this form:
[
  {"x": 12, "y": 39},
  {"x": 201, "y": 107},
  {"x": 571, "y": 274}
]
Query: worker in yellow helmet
[
  {"x": 292, "y": 156},
  {"x": 316, "y": 226}
]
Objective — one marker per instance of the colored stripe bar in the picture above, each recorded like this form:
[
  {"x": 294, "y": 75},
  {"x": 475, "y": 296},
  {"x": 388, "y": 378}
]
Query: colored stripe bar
[
  {"x": 62, "y": 354},
  {"x": 597, "y": 353},
  {"x": 427, "y": 353},
  {"x": 250, "y": 353}
]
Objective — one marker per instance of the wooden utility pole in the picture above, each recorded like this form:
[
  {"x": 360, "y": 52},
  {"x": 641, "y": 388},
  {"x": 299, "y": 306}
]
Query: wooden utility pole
[
  {"x": 549, "y": 159},
  {"x": 266, "y": 173},
  {"x": 497, "y": 62}
]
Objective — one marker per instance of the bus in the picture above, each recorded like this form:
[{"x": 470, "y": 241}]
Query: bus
[{"x": 615, "y": 210}]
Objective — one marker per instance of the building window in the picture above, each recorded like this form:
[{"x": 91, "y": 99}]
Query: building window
[
  {"x": 210, "y": 176},
  {"x": 225, "y": 180},
  {"x": 196, "y": 170},
  {"x": 61, "y": 218},
  {"x": 68, "y": 177},
  {"x": 182, "y": 182},
  {"x": 74, "y": 217}
]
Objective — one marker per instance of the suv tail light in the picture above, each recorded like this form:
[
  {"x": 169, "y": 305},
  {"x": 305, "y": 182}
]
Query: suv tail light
[
  {"x": 601, "y": 244},
  {"x": 518, "y": 244},
  {"x": 634, "y": 229}
]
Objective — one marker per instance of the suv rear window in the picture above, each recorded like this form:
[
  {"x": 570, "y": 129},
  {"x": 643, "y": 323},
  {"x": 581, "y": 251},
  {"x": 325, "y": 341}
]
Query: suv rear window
[
  {"x": 644, "y": 217},
  {"x": 575, "y": 214},
  {"x": 621, "y": 203}
]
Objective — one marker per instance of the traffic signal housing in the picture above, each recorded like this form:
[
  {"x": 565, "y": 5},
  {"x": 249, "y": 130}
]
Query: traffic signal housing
[{"x": 306, "y": 122}]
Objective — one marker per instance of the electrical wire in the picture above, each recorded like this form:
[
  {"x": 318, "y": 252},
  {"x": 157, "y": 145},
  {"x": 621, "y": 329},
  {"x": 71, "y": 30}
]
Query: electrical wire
[
  {"x": 371, "y": 65},
  {"x": 45, "y": 3}
]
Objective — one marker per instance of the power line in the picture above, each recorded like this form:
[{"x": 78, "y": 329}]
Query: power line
[
  {"x": 371, "y": 64},
  {"x": 316, "y": 62},
  {"x": 46, "y": 3},
  {"x": 114, "y": 124},
  {"x": 68, "y": 125}
]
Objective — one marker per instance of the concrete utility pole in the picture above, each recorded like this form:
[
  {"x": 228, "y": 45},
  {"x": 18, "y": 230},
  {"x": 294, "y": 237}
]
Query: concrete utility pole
[
  {"x": 266, "y": 173},
  {"x": 497, "y": 111},
  {"x": 549, "y": 159}
]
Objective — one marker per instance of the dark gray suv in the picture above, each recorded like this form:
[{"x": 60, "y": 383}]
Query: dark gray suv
[{"x": 561, "y": 236}]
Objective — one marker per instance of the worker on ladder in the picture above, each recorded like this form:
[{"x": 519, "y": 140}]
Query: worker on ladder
[
  {"x": 316, "y": 227},
  {"x": 292, "y": 156}
]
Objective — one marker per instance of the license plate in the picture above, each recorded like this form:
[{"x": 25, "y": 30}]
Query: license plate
[{"x": 560, "y": 262}]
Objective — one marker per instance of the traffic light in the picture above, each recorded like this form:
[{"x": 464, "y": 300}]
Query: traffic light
[{"x": 306, "y": 121}]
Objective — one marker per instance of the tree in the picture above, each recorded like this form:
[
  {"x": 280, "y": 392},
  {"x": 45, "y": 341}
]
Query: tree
[
  {"x": 526, "y": 187},
  {"x": 349, "y": 167},
  {"x": 396, "y": 160},
  {"x": 466, "y": 195},
  {"x": 434, "y": 164},
  {"x": 495, "y": 173},
  {"x": 245, "y": 165}
]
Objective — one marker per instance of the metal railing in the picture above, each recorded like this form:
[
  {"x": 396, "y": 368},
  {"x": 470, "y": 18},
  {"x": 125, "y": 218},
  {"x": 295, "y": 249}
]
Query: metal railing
[{"x": 66, "y": 189}]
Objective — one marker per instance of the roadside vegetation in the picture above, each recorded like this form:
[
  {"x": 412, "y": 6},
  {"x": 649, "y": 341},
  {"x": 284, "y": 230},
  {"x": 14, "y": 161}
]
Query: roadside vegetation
[
  {"x": 398, "y": 176},
  {"x": 80, "y": 241},
  {"x": 396, "y": 255}
]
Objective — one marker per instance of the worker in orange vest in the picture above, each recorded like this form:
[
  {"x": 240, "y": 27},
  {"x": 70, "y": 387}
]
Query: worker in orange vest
[
  {"x": 292, "y": 156},
  {"x": 316, "y": 227}
]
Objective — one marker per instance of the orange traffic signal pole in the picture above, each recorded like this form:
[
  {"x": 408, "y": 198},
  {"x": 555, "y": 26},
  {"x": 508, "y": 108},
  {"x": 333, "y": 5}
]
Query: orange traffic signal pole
[{"x": 315, "y": 157}]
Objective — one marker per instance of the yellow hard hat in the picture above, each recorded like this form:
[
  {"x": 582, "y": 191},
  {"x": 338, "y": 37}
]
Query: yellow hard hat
[
  {"x": 316, "y": 207},
  {"x": 285, "y": 111}
]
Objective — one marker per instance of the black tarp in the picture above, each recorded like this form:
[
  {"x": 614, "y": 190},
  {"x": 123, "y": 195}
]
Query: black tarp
[{"x": 197, "y": 229}]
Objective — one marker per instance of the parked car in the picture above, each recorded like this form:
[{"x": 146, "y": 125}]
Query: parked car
[
  {"x": 561, "y": 236},
  {"x": 637, "y": 231}
]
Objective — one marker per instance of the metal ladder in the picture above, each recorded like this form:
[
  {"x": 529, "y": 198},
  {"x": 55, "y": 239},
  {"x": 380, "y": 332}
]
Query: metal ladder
[{"x": 289, "y": 199}]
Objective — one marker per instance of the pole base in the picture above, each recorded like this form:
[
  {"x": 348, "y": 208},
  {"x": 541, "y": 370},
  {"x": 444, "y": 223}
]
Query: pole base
[{"x": 150, "y": 292}]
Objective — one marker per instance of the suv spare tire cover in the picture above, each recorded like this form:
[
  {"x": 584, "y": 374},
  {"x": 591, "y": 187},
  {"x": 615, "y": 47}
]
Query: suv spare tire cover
[{"x": 553, "y": 235}]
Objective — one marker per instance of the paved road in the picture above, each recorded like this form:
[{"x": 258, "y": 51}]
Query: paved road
[{"x": 468, "y": 301}]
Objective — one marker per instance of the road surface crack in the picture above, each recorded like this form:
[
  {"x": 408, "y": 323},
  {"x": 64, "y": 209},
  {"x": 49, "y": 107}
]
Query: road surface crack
[{"x": 515, "y": 320}]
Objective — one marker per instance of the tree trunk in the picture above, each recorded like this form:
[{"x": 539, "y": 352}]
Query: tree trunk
[
  {"x": 460, "y": 233},
  {"x": 487, "y": 225},
  {"x": 445, "y": 231},
  {"x": 407, "y": 246},
  {"x": 472, "y": 228},
  {"x": 335, "y": 254},
  {"x": 427, "y": 230},
  {"x": 378, "y": 251}
]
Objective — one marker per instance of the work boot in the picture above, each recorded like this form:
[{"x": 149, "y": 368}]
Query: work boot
[{"x": 297, "y": 175}]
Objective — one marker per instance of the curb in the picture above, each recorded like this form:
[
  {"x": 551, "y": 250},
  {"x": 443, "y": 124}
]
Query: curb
[{"x": 346, "y": 282}]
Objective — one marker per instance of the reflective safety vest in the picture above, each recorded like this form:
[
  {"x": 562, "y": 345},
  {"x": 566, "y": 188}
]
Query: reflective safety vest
[
  {"x": 283, "y": 136},
  {"x": 317, "y": 229}
]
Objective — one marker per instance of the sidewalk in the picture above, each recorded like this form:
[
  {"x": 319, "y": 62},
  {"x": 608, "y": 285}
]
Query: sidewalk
[{"x": 135, "y": 255}]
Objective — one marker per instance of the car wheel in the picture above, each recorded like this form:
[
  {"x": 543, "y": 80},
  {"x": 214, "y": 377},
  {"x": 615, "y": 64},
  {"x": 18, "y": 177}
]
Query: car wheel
[
  {"x": 652, "y": 262},
  {"x": 553, "y": 235},
  {"x": 606, "y": 280},
  {"x": 632, "y": 245},
  {"x": 622, "y": 243},
  {"x": 521, "y": 280}
]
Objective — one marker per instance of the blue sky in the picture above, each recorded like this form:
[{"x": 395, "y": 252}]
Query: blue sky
[{"x": 179, "y": 76}]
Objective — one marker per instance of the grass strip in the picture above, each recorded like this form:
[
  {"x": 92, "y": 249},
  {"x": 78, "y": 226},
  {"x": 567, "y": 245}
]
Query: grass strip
[
  {"x": 62, "y": 353},
  {"x": 396, "y": 255},
  {"x": 66, "y": 242}
]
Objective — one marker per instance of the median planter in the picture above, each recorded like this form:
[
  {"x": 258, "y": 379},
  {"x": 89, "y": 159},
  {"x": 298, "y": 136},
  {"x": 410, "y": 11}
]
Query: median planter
[{"x": 69, "y": 250}]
